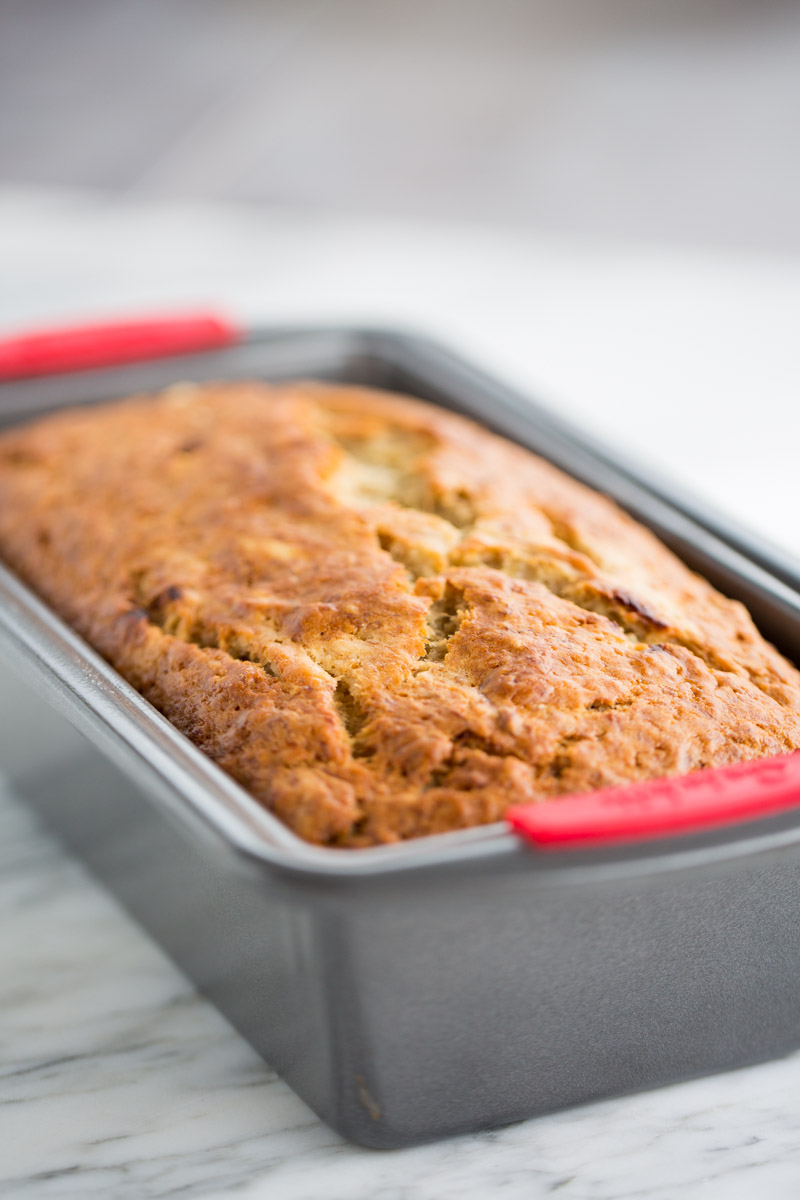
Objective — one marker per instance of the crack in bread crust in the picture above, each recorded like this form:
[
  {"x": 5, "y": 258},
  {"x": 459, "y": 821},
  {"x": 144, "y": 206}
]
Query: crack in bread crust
[
  {"x": 401, "y": 459},
  {"x": 381, "y": 619}
]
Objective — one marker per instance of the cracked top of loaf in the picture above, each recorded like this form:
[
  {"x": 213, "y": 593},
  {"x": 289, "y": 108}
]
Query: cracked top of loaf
[{"x": 378, "y": 617}]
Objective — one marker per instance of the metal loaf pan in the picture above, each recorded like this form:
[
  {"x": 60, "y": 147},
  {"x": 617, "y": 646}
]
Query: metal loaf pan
[{"x": 449, "y": 984}]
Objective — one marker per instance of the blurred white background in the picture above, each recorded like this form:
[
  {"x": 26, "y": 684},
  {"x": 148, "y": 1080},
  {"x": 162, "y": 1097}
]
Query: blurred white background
[
  {"x": 670, "y": 120},
  {"x": 599, "y": 198}
]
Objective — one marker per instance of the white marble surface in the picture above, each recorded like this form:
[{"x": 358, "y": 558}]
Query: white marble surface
[{"x": 116, "y": 1080}]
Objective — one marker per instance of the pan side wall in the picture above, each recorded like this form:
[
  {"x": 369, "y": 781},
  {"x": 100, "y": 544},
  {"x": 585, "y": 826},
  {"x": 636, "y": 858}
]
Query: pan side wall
[{"x": 485, "y": 998}]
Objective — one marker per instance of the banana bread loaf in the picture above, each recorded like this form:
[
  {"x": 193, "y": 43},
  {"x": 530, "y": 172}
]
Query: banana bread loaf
[{"x": 378, "y": 617}]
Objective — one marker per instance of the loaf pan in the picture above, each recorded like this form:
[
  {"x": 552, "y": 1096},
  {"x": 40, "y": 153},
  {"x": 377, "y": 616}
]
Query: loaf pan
[{"x": 460, "y": 981}]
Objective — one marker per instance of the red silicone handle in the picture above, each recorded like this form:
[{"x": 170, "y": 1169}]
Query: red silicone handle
[
  {"x": 682, "y": 804},
  {"x": 80, "y": 347}
]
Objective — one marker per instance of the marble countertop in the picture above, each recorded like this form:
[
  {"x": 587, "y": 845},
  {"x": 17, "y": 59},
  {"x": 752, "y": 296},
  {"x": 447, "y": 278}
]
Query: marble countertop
[{"x": 116, "y": 1079}]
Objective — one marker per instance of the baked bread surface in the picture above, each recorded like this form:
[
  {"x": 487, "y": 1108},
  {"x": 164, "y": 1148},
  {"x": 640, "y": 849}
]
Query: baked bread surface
[{"x": 378, "y": 617}]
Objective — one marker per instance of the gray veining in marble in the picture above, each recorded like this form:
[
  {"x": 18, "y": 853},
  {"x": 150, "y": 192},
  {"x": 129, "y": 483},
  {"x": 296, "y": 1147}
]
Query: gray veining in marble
[{"x": 118, "y": 1081}]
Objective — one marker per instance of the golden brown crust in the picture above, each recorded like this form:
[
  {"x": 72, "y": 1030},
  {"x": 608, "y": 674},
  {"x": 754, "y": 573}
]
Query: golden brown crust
[{"x": 378, "y": 617}]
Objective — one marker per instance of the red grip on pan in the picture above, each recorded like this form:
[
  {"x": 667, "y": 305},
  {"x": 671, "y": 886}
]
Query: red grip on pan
[
  {"x": 80, "y": 347},
  {"x": 681, "y": 804}
]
